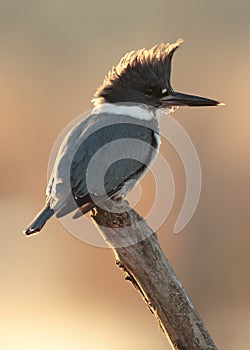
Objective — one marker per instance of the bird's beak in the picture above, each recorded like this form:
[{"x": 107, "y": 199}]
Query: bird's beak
[{"x": 179, "y": 99}]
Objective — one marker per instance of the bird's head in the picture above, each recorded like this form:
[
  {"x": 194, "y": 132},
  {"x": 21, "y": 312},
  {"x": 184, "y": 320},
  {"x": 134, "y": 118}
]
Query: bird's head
[{"x": 143, "y": 77}]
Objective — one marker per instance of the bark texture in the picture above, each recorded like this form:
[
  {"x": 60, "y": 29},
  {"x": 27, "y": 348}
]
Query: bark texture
[{"x": 139, "y": 254}]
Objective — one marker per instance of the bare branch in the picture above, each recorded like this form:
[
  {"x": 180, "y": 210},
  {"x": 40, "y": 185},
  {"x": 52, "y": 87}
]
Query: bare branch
[{"x": 139, "y": 254}]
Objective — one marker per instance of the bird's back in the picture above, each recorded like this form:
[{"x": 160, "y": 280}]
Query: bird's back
[{"x": 98, "y": 156}]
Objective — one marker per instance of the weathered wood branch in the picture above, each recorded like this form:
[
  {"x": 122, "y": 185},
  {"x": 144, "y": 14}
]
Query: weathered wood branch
[{"x": 139, "y": 254}]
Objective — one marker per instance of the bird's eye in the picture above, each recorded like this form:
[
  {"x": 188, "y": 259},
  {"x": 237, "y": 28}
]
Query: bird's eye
[
  {"x": 164, "y": 91},
  {"x": 148, "y": 91}
]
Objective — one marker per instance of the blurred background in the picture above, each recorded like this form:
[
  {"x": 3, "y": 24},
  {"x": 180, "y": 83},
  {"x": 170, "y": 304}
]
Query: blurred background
[{"x": 60, "y": 293}]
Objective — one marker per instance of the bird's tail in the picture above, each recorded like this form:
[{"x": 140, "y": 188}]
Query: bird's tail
[{"x": 40, "y": 220}]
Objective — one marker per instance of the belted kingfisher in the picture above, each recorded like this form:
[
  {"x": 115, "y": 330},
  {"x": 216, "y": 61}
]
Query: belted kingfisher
[{"x": 127, "y": 106}]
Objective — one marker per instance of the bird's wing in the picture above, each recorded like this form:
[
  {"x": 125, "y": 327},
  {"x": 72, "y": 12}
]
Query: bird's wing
[
  {"x": 113, "y": 152},
  {"x": 59, "y": 186},
  {"x": 98, "y": 156}
]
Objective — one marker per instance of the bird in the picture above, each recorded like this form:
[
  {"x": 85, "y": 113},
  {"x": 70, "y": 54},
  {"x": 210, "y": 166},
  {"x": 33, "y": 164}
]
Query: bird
[{"x": 104, "y": 156}]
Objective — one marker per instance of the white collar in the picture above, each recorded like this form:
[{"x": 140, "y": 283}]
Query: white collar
[{"x": 142, "y": 112}]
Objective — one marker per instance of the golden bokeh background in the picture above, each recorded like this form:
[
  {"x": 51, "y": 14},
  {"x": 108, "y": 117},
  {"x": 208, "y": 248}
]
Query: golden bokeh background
[{"x": 59, "y": 293}]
